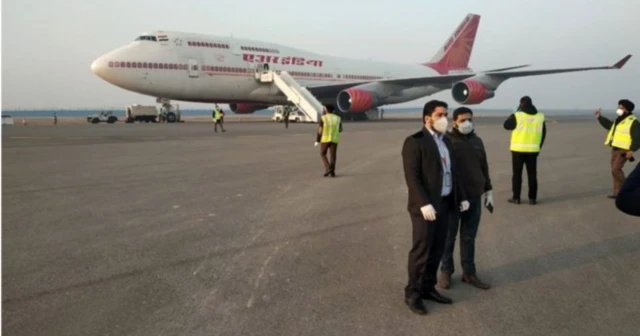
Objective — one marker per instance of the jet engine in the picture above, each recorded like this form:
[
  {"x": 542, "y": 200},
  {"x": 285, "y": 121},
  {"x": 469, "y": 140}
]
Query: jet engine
[
  {"x": 356, "y": 100},
  {"x": 243, "y": 108},
  {"x": 471, "y": 91}
]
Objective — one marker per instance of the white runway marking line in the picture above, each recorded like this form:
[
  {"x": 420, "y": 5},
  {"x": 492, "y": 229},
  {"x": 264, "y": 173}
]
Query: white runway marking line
[{"x": 260, "y": 276}]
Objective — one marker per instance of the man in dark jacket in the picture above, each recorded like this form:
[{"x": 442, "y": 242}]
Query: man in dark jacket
[
  {"x": 468, "y": 150},
  {"x": 434, "y": 192},
  {"x": 623, "y": 138},
  {"x": 628, "y": 199},
  {"x": 527, "y": 137}
]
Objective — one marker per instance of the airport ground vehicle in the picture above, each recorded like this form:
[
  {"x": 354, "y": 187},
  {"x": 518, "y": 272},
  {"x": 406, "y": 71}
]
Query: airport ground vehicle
[
  {"x": 140, "y": 113},
  {"x": 296, "y": 115},
  {"x": 7, "y": 119},
  {"x": 104, "y": 116}
]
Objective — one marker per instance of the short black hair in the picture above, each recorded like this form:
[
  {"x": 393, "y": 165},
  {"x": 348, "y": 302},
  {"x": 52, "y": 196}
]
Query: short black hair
[
  {"x": 329, "y": 107},
  {"x": 431, "y": 105},
  {"x": 627, "y": 104},
  {"x": 526, "y": 101},
  {"x": 461, "y": 110}
]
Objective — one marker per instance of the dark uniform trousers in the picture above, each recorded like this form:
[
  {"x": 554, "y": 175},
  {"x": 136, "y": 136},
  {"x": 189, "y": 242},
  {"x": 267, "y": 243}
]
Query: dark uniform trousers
[
  {"x": 429, "y": 239},
  {"x": 518, "y": 161},
  {"x": 618, "y": 159},
  {"x": 333, "y": 150}
]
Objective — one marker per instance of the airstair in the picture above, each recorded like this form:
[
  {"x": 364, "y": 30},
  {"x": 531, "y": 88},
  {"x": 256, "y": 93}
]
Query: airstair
[{"x": 295, "y": 93}]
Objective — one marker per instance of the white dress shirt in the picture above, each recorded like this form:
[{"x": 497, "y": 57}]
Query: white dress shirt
[{"x": 446, "y": 162}]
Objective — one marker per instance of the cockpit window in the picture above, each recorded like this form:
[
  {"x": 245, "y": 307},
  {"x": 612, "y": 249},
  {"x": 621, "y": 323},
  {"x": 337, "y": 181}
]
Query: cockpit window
[{"x": 146, "y": 38}]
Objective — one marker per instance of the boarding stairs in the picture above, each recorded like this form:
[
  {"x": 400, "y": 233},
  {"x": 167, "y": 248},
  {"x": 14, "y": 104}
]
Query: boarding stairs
[{"x": 298, "y": 95}]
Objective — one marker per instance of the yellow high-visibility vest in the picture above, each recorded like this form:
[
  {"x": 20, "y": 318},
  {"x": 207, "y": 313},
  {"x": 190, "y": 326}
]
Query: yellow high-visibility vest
[
  {"x": 621, "y": 137},
  {"x": 528, "y": 133},
  {"x": 330, "y": 128},
  {"x": 216, "y": 114}
]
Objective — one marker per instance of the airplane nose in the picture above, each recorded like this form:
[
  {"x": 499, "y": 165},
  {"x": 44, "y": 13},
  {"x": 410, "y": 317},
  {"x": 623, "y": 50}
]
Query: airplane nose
[{"x": 98, "y": 67}]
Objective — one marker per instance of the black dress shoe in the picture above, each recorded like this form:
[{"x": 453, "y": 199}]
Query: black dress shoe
[
  {"x": 416, "y": 305},
  {"x": 514, "y": 200},
  {"x": 433, "y": 295},
  {"x": 611, "y": 196},
  {"x": 533, "y": 202}
]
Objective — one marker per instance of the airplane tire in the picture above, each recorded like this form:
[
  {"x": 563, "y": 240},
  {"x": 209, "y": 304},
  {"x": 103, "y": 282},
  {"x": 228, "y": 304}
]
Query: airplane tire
[{"x": 171, "y": 117}]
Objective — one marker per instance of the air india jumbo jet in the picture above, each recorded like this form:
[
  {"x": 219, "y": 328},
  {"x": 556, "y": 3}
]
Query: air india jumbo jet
[{"x": 215, "y": 69}]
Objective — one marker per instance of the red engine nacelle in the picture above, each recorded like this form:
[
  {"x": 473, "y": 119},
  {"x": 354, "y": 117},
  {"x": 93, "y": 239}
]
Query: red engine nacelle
[
  {"x": 356, "y": 100},
  {"x": 471, "y": 92},
  {"x": 246, "y": 108}
]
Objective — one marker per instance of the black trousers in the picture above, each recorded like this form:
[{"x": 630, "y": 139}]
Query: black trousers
[
  {"x": 429, "y": 240},
  {"x": 518, "y": 161},
  {"x": 332, "y": 148}
]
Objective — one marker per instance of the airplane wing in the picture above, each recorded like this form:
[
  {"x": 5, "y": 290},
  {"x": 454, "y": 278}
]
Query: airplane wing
[
  {"x": 527, "y": 73},
  {"x": 446, "y": 81}
]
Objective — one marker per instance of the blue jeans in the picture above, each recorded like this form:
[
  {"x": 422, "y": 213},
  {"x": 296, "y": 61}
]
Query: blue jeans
[{"x": 468, "y": 223}]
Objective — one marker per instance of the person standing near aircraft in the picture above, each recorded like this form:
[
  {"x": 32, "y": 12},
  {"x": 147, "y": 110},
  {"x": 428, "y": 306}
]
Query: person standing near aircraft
[
  {"x": 435, "y": 191},
  {"x": 328, "y": 135},
  {"x": 623, "y": 138},
  {"x": 285, "y": 115},
  {"x": 217, "y": 118},
  {"x": 469, "y": 152},
  {"x": 527, "y": 137}
]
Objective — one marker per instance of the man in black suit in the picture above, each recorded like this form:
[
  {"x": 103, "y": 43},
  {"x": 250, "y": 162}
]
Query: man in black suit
[{"x": 434, "y": 193}]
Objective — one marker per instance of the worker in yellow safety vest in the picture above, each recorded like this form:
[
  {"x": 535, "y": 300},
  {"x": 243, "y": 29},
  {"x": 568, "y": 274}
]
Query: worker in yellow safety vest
[
  {"x": 217, "y": 118},
  {"x": 623, "y": 138},
  {"x": 528, "y": 131},
  {"x": 329, "y": 129}
]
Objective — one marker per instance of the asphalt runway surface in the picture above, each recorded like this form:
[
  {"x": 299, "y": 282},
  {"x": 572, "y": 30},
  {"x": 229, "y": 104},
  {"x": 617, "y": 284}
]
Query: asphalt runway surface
[{"x": 167, "y": 229}]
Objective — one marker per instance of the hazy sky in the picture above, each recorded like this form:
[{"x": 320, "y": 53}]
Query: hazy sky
[{"x": 48, "y": 45}]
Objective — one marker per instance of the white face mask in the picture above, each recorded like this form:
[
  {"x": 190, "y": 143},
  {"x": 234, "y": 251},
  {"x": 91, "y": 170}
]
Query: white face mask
[
  {"x": 441, "y": 124},
  {"x": 466, "y": 127},
  {"x": 620, "y": 112}
]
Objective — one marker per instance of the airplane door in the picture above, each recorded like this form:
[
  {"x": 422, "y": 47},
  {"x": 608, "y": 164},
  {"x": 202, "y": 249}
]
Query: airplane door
[
  {"x": 337, "y": 74},
  {"x": 193, "y": 68}
]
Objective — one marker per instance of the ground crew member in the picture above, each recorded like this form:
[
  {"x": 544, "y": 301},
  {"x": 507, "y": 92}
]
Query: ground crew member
[
  {"x": 623, "y": 138},
  {"x": 329, "y": 129},
  {"x": 217, "y": 118},
  {"x": 285, "y": 116},
  {"x": 469, "y": 152},
  {"x": 55, "y": 118},
  {"x": 528, "y": 132}
]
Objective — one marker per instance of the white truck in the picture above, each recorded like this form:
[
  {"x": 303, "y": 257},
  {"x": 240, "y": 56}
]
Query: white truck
[
  {"x": 296, "y": 115},
  {"x": 140, "y": 113}
]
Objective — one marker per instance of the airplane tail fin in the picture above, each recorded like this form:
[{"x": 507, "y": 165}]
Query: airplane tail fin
[{"x": 456, "y": 51}]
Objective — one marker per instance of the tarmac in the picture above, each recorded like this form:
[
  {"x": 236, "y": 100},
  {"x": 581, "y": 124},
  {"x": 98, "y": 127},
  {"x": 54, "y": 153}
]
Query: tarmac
[{"x": 172, "y": 229}]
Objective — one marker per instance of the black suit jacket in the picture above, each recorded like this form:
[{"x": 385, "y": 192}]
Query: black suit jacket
[{"x": 423, "y": 172}]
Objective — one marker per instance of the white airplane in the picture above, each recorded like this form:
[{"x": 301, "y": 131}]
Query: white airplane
[{"x": 215, "y": 69}]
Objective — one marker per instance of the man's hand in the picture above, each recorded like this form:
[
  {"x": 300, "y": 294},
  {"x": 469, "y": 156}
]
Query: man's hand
[
  {"x": 428, "y": 212},
  {"x": 597, "y": 113},
  {"x": 464, "y": 206},
  {"x": 628, "y": 155},
  {"x": 488, "y": 198}
]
